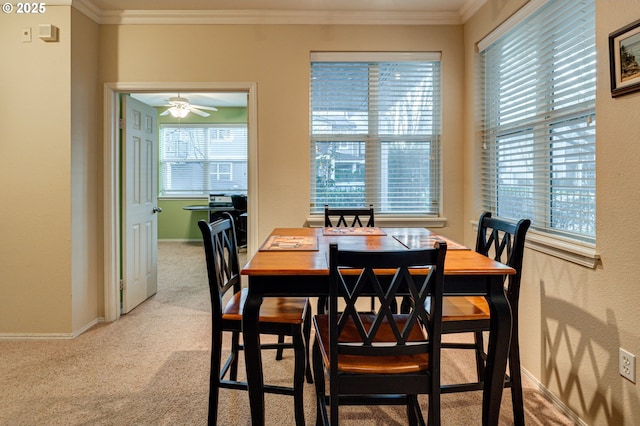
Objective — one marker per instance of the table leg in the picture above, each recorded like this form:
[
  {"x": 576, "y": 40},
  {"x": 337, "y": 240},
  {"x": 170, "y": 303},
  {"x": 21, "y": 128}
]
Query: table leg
[
  {"x": 252, "y": 356},
  {"x": 498, "y": 350}
]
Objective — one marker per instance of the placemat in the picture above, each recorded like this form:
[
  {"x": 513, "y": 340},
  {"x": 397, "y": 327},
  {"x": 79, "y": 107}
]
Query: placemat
[
  {"x": 290, "y": 243},
  {"x": 329, "y": 231},
  {"x": 425, "y": 241}
]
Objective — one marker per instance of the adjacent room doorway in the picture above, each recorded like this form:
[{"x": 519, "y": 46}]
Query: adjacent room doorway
[{"x": 114, "y": 240}]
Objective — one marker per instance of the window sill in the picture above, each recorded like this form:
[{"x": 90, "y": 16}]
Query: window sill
[
  {"x": 580, "y": 253},
  {"x": 583, "y": 254},
  {"x": 317, "y": 221}
]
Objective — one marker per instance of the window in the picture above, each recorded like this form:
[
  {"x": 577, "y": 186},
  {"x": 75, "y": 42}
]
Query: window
[
  {"x": 375, "y": 132},
  {"x": 198, "y": 160},
  {"x": 538, "y": 85}
]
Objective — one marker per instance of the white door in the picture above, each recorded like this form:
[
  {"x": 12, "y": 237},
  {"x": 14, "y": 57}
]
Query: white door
[{"x": 139, "y": 203}]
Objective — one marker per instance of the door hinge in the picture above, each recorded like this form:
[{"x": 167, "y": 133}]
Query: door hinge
[
  {"x": 121, "y": 284},
  {"x": 121, "y": 124}
]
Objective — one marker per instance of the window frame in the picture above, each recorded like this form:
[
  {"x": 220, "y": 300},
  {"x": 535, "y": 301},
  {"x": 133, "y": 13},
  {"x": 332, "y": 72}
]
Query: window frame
[
  {"x": 207, "y": 161},
  {"x": 568, "y": 246},
  {"x": 373, "y": 143}
]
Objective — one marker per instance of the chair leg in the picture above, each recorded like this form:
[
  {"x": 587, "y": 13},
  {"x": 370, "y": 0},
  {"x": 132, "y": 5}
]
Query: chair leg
[
  {"x": 214, "y": 377},
  {"x": 322, "y": 306},
  {"x": 280, "y": 350},
  {"x": 318, "y": 377},
  {"x": 333, "y": 401},
  {"x": 405, "y": 305},
  {"x": 480, "y": 363},
  {"x": 235, "y": 345},
  {"x": 307, "y": 341},
  {"x": 434, "y": 416},
  {"x": 414, "y": 415},
  {"x": 300, "y": 363},
  {"x": 515, "y": 377},
  {"x": 333, "y": 408}
]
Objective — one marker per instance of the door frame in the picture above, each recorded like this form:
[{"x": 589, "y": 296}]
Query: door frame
[{"x": 111, "y": 172}]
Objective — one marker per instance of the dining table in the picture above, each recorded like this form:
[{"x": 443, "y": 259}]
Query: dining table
[{"x": 294, "y": 262}]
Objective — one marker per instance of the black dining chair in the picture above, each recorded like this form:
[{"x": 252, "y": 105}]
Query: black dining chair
[
  {"x": 380, "y": 357},
  {"x": 503, "y": 241},
  {"x": 344, "y": 217},
  {"x": 290, "y": 316},
  {"x": 339, "y": 217}
]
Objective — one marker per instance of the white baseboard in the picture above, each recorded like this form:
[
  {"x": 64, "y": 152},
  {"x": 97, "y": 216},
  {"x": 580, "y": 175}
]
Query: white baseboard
[
  {"x": 554, "y": 399},
  {"x": 50, "y": 336}
]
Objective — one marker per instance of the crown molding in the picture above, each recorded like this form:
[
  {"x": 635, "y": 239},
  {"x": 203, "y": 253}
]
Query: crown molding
[
  {"x": 89, "y": 9},
  {"x": 470, "y": 8},
  {"x": 264, "y": 17}
]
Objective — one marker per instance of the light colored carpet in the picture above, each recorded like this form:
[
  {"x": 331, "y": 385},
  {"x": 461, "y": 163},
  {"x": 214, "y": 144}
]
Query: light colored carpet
[{"x": 151, "y": 368}]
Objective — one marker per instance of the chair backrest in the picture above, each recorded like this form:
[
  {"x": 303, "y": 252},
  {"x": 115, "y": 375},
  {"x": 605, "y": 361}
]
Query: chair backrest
[
  {"x": 221, "y": 253},
  {"x": 337, "y": 217},
  {"x": 503, "y": 241},
  {"x": 386, "y": 275}
]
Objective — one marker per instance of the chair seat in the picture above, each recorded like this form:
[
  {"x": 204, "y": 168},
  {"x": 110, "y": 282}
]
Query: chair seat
[
  {"x": 465, "y": 308},
  {"x": 279, "y": 310},
  {"x": 372, "y": 365}
]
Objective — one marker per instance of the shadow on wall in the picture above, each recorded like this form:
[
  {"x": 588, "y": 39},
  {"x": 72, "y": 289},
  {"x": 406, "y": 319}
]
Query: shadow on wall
[{"x": 572, "y": 334}]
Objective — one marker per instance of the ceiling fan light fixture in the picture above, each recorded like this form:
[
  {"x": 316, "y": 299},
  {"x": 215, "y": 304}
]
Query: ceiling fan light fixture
[
  {"x": 178, "y": 111},
  {"x": 180, "y": 107}
]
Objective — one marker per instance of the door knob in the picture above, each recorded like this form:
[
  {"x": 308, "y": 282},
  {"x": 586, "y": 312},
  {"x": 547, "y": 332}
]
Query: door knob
[{"x": 157, "y": 210}]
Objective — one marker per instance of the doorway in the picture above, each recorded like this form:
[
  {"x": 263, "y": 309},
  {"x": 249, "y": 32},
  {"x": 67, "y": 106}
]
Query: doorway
[{"x": 112, "y": 172}]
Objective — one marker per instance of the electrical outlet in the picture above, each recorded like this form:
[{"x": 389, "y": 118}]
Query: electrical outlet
[{"x": 627, "y": 365}]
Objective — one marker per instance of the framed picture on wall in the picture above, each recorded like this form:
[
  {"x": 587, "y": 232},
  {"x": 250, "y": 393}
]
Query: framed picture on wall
[{"x": 624, "y": 58}]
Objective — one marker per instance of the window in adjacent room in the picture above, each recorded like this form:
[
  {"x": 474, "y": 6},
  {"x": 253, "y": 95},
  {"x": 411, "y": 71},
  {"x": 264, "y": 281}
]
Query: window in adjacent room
[
  {"x": 198, "y": 160},
  {"x": 375, "y": 132},
  {"x": 538, "y": 85}
]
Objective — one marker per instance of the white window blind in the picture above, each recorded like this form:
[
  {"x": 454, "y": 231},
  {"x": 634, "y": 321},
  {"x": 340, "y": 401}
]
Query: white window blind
[
  {"x": 375, "y": 132},
  {"x": 537, "y": 85},
  {"x": 202, "y": 159}
]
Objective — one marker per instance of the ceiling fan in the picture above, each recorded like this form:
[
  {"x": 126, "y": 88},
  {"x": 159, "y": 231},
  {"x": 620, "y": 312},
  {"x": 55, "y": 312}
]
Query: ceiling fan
[{"x": 179, "y": 107}]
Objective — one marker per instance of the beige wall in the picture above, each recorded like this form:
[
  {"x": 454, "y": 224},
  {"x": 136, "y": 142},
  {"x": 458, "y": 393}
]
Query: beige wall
[
  {"x": 35, "y": 211},
  {"x": 86, "y": 236},
  {"x": 573, "y": 319},
  {"x": 276, "y": 57},
  {"x": 50, "y": 267}
]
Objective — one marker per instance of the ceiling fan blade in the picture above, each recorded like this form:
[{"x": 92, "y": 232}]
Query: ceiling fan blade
[
  {"x": 197, "y": 111},
  {"x": 205, "y": 107},
  {"x": 166, "y": 112}
]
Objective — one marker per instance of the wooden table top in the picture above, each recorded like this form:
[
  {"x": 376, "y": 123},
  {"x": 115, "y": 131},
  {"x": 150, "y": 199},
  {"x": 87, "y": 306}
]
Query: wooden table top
[{"x": 459, "y": 261}]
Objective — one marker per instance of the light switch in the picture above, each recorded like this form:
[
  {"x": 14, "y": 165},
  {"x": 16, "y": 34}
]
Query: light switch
[{"x": 26, "y": 35}]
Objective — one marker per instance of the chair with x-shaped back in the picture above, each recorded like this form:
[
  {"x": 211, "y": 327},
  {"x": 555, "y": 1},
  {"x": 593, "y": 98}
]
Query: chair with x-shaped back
[
  {"x": 380, "y": 357},
  {"x": 503, "y": 241},
  {"x": 353, "y": 217},
  {"x": 290, "y": 316},
  {"x": 340, "y": 217}
]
